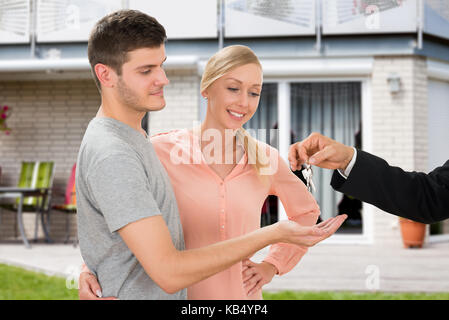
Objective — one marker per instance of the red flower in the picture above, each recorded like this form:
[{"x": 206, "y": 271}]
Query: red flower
[{"x": 4, "y": 110}]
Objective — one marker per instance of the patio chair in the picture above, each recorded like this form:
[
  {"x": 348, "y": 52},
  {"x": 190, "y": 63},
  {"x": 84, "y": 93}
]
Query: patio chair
[
  {"x": 69, "y": 206},
  {"x": 32, "y": 194},
  {"x": 26, "y": 175}
]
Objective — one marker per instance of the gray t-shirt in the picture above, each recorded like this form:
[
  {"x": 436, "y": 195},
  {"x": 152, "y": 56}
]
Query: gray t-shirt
[{"x": 120, "y": 180}]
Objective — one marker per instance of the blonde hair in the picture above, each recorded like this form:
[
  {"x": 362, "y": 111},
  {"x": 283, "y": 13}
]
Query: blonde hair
[{"x": 219, "y": 64}]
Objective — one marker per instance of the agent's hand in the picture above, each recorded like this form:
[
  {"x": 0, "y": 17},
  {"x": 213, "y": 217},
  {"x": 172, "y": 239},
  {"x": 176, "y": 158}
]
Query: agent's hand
[
  {"x": 89, "y": 288},
  {"x": 320, "y": 151},
  {"x": 292, "y": 232},
  {"x": 256, "y": 275}
]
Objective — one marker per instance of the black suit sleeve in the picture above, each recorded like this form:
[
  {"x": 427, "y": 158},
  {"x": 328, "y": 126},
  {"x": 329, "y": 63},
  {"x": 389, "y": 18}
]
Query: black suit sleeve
[{"x": 413, "y": 195}]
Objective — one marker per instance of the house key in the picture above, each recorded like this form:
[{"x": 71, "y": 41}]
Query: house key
[{"x": 308, "y": 173}]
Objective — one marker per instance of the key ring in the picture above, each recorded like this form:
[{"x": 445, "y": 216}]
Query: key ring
[
  {"x": 309, "y": 167},
  {"x": 308, "y": 173}
]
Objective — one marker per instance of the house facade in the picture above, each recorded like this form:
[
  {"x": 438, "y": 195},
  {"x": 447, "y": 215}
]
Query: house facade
[{"x": 372, "y": 74}]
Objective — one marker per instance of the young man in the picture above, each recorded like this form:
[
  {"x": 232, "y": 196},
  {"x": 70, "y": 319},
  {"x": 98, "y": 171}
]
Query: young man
[{"x": 129, "y": 227}]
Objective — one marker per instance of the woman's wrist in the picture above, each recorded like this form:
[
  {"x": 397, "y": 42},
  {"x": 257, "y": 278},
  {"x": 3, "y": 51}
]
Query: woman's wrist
[
  {"x": 275, "y": 233},
  {"x": 84, "y": 268},
  {"x": 271, "y": 267}
]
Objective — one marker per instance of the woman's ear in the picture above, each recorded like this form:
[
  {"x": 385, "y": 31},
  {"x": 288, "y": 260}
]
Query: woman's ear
[
  {"x": 205, "y": 94},
  {"x": 105, "y": 75}
]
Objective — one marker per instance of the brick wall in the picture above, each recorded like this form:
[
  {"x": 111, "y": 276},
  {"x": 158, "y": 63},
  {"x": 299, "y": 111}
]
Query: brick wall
[
  {"x": 399, "y": 126},
  {"x": 182, "y": 97},
  {"x": 48, "y": 121}
]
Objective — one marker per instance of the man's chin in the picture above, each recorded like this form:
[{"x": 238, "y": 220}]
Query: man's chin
[{"x": 155, "y": 107}]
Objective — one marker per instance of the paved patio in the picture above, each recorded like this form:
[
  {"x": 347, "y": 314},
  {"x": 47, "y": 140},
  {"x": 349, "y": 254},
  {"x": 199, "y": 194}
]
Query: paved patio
[
  {"x": 51, "y": 259},
  {"x": 325, "y": 267},
  {"x": 354, "y": 268}
]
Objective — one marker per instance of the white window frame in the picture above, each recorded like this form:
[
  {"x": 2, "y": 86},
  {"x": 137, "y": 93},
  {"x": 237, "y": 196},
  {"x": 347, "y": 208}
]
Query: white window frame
[{"x": 437, "y": 70}]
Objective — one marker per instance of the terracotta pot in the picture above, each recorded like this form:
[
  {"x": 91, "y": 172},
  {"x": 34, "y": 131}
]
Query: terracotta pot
[{"x": 413, "y": 233}]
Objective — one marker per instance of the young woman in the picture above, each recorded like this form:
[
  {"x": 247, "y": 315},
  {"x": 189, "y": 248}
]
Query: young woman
[{"x": 221, "y": 177}]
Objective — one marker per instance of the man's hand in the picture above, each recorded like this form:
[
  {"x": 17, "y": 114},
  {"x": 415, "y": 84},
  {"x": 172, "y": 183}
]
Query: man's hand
[
  {"x": 256, "y": 275},
  {"x": 292, "y": 232},
  {"x": 320, "y": 151}
]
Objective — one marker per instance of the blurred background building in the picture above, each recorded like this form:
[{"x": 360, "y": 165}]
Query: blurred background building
[{"x": 368, "y": 73}]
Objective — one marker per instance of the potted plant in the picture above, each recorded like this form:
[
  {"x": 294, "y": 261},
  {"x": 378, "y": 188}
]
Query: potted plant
[
  {"x": 5, "y": 112},
  {"x": 413, "y": 233}
]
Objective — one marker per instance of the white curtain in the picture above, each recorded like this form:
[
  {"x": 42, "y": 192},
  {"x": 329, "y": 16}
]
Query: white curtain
[{"x": 266, "y": 116}]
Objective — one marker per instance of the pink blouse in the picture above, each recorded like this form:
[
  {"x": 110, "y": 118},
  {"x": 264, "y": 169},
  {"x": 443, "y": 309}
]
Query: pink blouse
[{"x": 212, "y": 209}]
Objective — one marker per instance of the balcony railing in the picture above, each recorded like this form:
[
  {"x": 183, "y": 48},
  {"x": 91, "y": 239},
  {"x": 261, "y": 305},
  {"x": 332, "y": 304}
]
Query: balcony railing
[{"x": 43, "y": 21}]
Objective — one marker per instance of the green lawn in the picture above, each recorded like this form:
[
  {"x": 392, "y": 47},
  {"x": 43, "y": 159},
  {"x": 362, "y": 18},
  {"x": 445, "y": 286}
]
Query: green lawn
[
  {"x": 20, "y": 284},
  {"x": 323, "y": 295}
]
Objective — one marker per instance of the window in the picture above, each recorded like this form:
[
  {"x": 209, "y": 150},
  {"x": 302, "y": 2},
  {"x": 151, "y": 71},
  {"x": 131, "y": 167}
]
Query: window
[{"x": 266, "y": 116}]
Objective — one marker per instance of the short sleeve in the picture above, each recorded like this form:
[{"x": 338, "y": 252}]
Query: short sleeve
[{"x": 120, "y": 189}]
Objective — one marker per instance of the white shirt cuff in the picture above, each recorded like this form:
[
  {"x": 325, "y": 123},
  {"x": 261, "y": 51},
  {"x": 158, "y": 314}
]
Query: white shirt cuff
[{"x": 348, "y": 169}]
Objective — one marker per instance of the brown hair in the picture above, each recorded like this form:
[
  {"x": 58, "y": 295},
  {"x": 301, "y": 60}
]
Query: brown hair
[
  {"x": 218, "y": 65},
  {"x": 119, "y": 33}
]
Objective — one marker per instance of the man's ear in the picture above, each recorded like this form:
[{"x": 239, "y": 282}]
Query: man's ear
[{"x": 106, "y": 75}]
